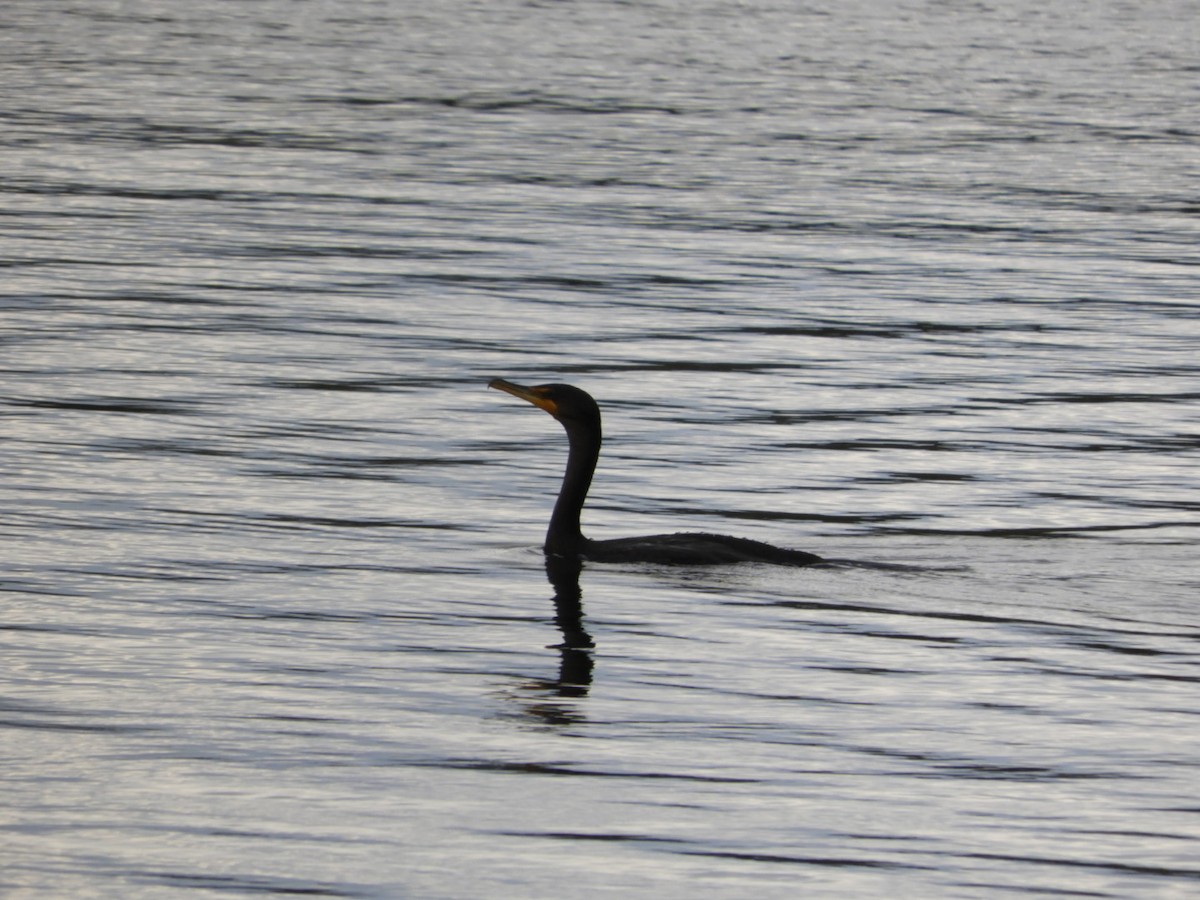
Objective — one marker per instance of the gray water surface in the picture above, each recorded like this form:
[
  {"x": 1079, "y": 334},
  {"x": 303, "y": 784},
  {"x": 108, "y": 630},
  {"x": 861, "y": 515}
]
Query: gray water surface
[{"x": 912, "y": 286}]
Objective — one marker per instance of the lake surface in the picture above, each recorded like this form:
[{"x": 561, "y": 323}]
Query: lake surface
[{"x": 912, "y": 286}]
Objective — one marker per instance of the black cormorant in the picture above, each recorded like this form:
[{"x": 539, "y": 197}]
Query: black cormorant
[{"x": 580, "y": 416}]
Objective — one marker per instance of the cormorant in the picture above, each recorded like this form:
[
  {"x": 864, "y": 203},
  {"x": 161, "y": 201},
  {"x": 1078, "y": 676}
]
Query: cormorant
[{"x": 580, "y": 416}]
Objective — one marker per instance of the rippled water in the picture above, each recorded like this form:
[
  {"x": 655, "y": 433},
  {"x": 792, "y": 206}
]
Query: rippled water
[{"x": 912, "y": 286}]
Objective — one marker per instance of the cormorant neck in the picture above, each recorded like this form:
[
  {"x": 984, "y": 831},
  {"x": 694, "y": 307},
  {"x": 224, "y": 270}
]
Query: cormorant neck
[{"x": 564, "y": 536}]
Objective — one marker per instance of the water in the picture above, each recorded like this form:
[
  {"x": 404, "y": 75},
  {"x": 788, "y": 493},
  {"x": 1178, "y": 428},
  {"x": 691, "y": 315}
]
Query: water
[{"x": 908, "y": 285}]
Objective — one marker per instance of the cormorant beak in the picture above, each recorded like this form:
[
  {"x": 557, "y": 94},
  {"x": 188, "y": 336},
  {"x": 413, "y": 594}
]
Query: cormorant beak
[{"x": 535, "y": 395}]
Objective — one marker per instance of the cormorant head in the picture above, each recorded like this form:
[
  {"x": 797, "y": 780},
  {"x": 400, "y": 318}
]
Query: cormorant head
[{"x": 567, "y": 403}]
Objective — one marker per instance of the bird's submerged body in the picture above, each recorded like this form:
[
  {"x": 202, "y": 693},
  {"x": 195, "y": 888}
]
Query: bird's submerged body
[
  {"x": 580, "y": 416},
  {"x": 689, "y": 548}
]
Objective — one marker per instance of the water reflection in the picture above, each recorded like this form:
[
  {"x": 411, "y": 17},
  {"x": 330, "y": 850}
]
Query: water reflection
[
  {"x": 575, "y": 669},
  {"x": 575, "y": 665}
]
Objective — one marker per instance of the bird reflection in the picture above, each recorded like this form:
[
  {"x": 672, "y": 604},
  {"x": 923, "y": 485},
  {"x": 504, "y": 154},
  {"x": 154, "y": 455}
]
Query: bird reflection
[{"x": 575, "y": 668}]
